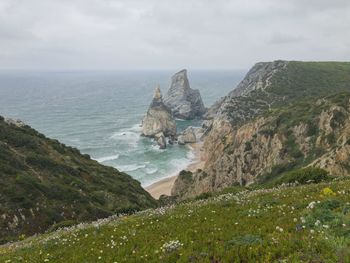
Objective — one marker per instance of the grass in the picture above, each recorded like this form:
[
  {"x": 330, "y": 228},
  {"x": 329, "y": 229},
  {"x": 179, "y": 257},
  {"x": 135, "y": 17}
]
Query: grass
[
  {"x": 306, "y": 223},
  {"x": 44, "y": 182}
]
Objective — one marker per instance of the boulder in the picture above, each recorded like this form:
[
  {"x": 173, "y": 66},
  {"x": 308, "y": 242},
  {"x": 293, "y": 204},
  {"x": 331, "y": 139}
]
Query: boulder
[
  {"x": 158, "y": 118},
  {"x": 160, "y": 139},
  {"x": 184, "y": 102},
  {"x": 190, "y": 135}
]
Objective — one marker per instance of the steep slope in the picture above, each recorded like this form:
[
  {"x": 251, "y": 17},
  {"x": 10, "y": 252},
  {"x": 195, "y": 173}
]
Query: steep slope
[
  {"x": 44, "y": 182},
  {"x": 308, "y": 223},
  {"x": 280, "y": 117}
]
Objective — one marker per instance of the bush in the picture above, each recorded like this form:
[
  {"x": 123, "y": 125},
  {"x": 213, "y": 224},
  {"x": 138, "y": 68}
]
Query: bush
[
  {"x": 304, "y": 176},
  {"x": 245, "y": 240},
  {"x": 186, "y": 176},
  {"x": 62, "y": 224},
  {"x": 203, "y": 196}
]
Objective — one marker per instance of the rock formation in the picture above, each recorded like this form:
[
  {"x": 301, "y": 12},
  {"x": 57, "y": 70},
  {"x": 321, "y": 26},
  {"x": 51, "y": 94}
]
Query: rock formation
[
  {"x": 184, "y": 102},
  {"x": 160, "y": 139},
  {"x": 158, "y": 120},
  {"x": 279, "y": 117},
  {"x": 190, "y": 135}
]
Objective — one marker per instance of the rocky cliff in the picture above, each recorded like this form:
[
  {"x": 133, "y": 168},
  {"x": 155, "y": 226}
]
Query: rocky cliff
[
  {"x": 184, "y": 102},
  {"x": 282, "y": 116},
  {"x": 158, "y": 119}
]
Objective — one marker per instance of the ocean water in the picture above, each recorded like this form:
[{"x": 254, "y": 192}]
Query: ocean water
[{"x": 100, "y": 113}]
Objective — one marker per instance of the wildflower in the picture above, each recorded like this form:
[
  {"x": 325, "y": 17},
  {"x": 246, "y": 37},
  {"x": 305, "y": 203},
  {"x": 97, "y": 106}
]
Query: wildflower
[
  {"x": 312, "y": 231},
  {"x": 295, "y": 220},
  {"x": 280, "y": 229},
  {"x": 171, "y": 246},
  {"x": 311, "y": 205},
  {"x": 317, "y": 223},
  {"x": 327, "y": 191},
  {"x": 325, "y": 226},
  {"x": 302, "y": 219}
]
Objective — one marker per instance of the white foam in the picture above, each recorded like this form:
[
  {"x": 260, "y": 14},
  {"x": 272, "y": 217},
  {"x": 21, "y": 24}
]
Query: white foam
[
  {"x": 181, "y": 163},
  {"x": 190, "y": 154},
  {"x": 156, "y": 148},
  {"x": 130, "y": 167},
  {"x": 107, "y": 158},
  {"x": 151, "y": 170},
  {"x": 129, "y": 137},
  {"x": 135, "y": 128}
]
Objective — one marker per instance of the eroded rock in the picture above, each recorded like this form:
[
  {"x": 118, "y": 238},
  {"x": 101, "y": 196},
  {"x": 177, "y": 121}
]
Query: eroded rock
[
  {"x": 184, "y": 102},
  {"x": 158, "y": 118}
]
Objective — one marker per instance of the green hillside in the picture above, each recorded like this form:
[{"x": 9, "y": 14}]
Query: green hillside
[
  {"x": 291, "y": 82},
  {"x": 44, "y": 182},
  {"x": 305, "y": 223},
  {"x": 305, "y": 80}
]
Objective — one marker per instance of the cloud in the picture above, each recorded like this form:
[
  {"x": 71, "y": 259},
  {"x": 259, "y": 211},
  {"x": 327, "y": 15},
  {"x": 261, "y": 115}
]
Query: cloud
[
  {"x": 281, "y": 38},
  {"x": 136, "y": 34}
]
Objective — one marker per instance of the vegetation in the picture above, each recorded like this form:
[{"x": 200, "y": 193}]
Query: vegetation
[
  {"x": 311, "y": 80},
  {"x": 300, "y": 176},
  {"x": 292, "y": 214},
  {"x": 306, "y": 223},
  {"x": 44, "y": 182}
]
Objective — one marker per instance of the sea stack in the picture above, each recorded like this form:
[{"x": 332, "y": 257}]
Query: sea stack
[
  {"x": 158, "y": 122},
  {"x": 184, "y": 102}
]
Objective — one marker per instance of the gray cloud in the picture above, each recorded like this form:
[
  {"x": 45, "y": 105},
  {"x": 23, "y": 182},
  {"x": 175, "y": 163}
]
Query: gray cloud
[
  {"x": 281, "y": 38},
  {"x": 116, "y": 34}
]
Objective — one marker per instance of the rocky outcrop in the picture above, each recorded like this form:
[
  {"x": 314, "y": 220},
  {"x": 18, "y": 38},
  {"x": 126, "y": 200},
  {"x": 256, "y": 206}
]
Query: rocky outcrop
[
  {"x": 160, "y": 139},
  {"x": 265, "y": 128},
  {"x": 190, "y": 135},
  {"x": 184, "y": 102},
  {"x": 17, "y": 122},
  {"x": 252, "y": 95},
  {"x": 158, "y": 118}
]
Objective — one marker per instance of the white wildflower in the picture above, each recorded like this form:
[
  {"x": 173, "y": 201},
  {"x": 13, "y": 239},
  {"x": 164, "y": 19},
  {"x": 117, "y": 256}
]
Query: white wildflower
[
  {"x": 171, "y": 246},
  {"x": 280, "y": 229}
]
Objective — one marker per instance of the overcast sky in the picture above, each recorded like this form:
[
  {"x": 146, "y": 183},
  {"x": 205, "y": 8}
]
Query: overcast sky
[{"x": 164, "y": 34}]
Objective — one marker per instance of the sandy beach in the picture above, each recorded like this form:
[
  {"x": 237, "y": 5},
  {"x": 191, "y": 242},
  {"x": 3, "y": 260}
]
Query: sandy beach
[{"x": 163, "y": 186}]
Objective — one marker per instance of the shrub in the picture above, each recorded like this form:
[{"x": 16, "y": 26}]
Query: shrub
[
  {"x": 327, "y": 192},
  {"x": 186, "y": 176},
  {"x": 62, "y": 224},
  {"x": 203, "y": 196},
  {"x": 304, "y": 176},
  {"x": 245, "y": 240},
  {"x": 248, "y": 146}
]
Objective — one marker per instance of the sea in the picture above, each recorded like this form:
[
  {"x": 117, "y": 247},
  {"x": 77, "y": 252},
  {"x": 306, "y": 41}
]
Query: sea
[{"x": 100, "y": 112}]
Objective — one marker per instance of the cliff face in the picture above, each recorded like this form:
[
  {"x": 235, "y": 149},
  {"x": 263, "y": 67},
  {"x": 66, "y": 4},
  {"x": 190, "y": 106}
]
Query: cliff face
[
  {"x": 44, "y": 182},
  {"x": 158, "y": 118},
  {"x": 184, "y": 102},
  {"x": 281, "y": 116}
]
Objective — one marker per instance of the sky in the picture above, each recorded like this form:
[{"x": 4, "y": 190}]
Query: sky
[{"x": 164, "y": 34}]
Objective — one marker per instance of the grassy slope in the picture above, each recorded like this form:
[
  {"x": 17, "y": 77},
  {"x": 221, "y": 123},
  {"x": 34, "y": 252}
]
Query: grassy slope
[
  {"x": 43, "y": 181},
  {"x": 266, "y": 225},
  {"x": 300, "y": 80}
]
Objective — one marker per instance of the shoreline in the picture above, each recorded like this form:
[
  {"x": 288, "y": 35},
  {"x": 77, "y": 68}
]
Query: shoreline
[{"x": 164, "y": 186}]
